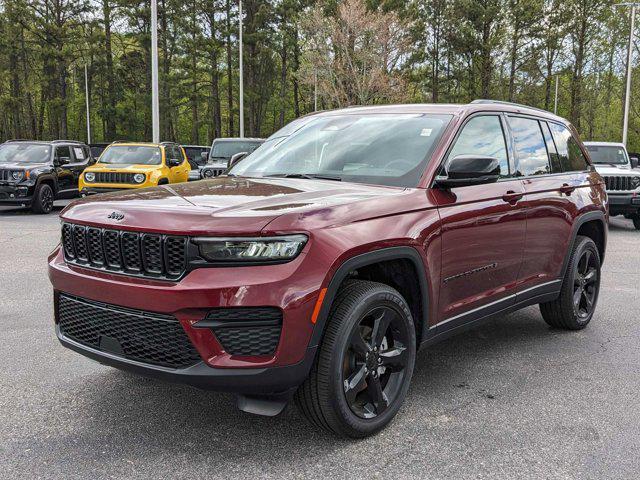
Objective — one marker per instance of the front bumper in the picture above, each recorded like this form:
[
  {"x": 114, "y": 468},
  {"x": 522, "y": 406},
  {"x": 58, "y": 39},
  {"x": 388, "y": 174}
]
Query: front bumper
[
  {"x": 291, "y": 287},
  {"x": 621, "y": 203},
  {"x": 95, "y": 190},
  {"x": 16, "y": 195},
  {"x": 267, "y": 380}
]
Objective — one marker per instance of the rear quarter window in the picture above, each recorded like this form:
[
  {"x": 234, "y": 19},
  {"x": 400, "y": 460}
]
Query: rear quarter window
[{"x": 571, "y": 156}]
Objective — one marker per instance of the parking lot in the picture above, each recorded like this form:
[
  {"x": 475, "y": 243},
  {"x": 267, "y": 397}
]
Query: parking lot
[{"x": 509, "y": 399}]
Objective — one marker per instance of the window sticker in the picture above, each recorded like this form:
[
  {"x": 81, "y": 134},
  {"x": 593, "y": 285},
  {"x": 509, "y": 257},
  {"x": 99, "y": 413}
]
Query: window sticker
[
  {"x": 426, "y": 132},
  {"x": 79, "y": 153}
]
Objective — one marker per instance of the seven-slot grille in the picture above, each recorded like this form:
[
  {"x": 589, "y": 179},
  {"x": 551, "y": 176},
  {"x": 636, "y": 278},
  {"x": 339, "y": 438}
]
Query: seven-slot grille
[
  {"x": 622, "y": 183},
  {"x": 114, "y": 177},
  {"x": 132, "y": 253},
  {"x": 138, "y": 335}
]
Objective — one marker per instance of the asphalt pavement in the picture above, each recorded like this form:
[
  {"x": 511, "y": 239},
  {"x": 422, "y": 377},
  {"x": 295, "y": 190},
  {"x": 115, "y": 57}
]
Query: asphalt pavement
[{"x": 511, "y": 399}]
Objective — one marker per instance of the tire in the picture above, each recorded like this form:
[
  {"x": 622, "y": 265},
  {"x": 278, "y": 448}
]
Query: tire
[
  {"x": 163, "y": 181},
  {"x": 349, "y": 408},
  {"x": 636, "y": 221},
  {"x": 575, "y": 306},
  {"x": 43, "y": 199}
]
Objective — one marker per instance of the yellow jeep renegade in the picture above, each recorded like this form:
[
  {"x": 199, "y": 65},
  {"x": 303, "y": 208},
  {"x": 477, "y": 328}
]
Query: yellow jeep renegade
[{"x": 135, "y": 165}]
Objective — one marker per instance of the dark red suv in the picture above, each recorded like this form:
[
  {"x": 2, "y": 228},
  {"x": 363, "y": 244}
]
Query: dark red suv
[{"x": 319, "y": 264}]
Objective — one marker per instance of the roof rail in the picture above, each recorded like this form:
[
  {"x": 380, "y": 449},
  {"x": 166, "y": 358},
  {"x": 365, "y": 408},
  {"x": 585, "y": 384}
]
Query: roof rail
[
  {"x": 501, "y": 102},
  {"x": 66, "y": 141},
  {"x": 20, "y": 140}
]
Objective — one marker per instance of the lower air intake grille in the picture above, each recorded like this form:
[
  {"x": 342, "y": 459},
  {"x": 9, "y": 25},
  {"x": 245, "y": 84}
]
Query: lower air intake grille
[
  {"x": 137, "y": 335},
  {"x": 246, "y": 331}
]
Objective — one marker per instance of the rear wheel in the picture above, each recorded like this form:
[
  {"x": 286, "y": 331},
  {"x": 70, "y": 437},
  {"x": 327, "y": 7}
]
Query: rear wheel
[
  {"x": 636, "y": 221},
  {"x": 363, "y": 370},
  {"x": 42, "y": 199},
  {"x": 575, "y": 306}
]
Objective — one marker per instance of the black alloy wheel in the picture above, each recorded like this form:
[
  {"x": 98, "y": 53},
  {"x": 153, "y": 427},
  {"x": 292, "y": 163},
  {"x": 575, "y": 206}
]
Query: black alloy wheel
[
  {"x": 575, "y": 305},
  {"x": 43, "y": 199},
  {"x": 365, "y": 361},
  {"x": 585, "y": 284},
  {"x": 375, "y": 362}
]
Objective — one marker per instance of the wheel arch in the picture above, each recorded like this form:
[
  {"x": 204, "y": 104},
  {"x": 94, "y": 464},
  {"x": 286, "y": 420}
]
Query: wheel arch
[
  {"x": 590, "y": 224},
  {"x": 48, "y": 180},
  {"x": 370, "y": 261}
]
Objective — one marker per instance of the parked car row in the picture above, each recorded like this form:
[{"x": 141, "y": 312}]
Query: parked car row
[{"x": 36, "y": 173}]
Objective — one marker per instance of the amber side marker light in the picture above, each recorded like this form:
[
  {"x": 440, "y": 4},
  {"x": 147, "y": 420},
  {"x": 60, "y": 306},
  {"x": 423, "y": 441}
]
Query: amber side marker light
[{"x": 316, "y": 309}]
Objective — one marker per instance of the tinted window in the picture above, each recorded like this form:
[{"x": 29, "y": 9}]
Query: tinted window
[
  {"x": 569, "y": 151},
  {"x": 225, "y": 150},
  {"x": 483, "y": 136},
  {"x": 531, "y": 151},
  {"x": 63, "y": 152},
  {"x": 556, "y": 165}
]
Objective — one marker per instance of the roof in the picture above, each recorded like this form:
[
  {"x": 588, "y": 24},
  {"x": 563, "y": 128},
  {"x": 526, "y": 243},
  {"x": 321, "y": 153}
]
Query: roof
[
  {"x": 444, "y": 108},
  {"x": 605, "y": 144},
  {"x": 238, "y": 139},
  {"x": 46, "y": 142}
]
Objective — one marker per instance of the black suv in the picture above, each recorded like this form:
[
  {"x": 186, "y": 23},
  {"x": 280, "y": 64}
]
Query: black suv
[{"x": 35, "y": 173}]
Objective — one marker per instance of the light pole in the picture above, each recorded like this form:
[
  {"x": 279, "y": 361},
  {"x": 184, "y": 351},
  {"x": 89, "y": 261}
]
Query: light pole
[
  {"x": 155, "y": 101},
  {"x": 627, "y": 99},
  {"x": 86, "y": 100},
  {"x": 555, "y": 104},
  {"x": 241, "y": 71}
]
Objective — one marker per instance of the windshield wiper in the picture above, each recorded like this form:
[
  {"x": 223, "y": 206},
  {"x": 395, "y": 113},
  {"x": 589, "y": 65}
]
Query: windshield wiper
[{"x": 312, "y": 176}]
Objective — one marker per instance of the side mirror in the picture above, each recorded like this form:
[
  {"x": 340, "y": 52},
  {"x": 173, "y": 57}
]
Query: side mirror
[
  {"x": 634, "y": 162},
  {"x": 467, "y": 170},
  {"x": 204, "y": 156},
  {"x": 59, "y": 161},
  {"x": 236, "y": 158},
  {"x": 174, "y": 162}
]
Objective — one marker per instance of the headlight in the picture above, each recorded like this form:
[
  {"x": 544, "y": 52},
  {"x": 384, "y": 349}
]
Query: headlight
[
  {"x": 17, "y": 175},
  {"x": 269, "y": 249},
  {"x": 207, "y": 173},
  {"x": 90, "y": 177},
  {"x": 139, "y": 177}
]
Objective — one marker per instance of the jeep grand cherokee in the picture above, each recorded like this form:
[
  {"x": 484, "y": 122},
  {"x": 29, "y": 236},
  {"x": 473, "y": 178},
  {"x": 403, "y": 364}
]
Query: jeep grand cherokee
[{"x": 318, "y": 265}]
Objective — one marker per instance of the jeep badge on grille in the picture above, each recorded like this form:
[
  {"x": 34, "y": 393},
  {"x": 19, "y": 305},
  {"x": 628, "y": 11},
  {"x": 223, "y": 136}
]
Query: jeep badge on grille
[{"x": 116, "y": 216}]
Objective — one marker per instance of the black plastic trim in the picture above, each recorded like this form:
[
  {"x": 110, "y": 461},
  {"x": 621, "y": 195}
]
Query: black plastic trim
[
  {"x": 370, "y": 258},
  {"x": 581, "y": 220},
  {"x": 238, "y": 380}
]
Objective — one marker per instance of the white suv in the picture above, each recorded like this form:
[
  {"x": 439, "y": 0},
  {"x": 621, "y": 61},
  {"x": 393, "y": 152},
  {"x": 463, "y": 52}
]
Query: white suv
[{"x": 621, "y": 176}]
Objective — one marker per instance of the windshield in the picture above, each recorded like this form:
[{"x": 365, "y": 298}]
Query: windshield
[
  {"x": 383, "y": 149},
  {"x": 226, "y": 150},
  {"x": 608, "y": 154},
  {"x": 131, "y": 155},
  {"x": 24, "y": 153}
]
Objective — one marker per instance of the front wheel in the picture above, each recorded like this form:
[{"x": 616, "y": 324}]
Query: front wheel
[
  {"x": 363, "y": 370},
  {"x": 42, "y": 199},
  {"x": 575, "y": 306},
  {"x": 636, "y": 221}
]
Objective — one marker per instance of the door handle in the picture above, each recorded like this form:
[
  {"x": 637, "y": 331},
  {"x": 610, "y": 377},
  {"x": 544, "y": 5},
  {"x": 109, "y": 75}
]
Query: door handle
[
  {"x": 512, "y": 197},
  {"x": 566, "y": 188}
]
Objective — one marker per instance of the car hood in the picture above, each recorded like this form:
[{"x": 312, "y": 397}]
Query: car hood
[
  {"x": 229, "y": 205},
  {"x": 606, "y": 169},
  {"x": 21, "y": 166},
  {"x": 103, "y": 167}
]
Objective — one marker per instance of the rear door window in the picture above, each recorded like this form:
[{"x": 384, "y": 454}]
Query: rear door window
[
  {"x": 556, "y": 165},
  {"x": 530, "y": 147},
  {"x": 571, "y": 156},
  {"x": 483, "y": 135}
]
